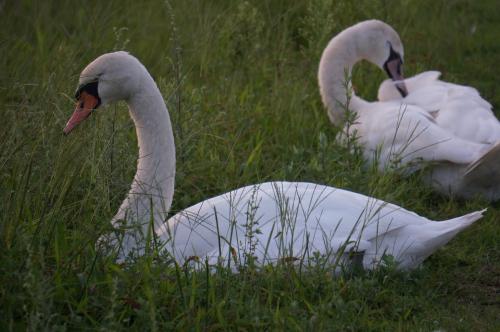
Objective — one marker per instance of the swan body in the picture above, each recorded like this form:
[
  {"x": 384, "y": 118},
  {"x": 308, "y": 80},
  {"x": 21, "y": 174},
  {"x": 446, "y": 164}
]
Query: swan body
[
  {"x": 458, "y": 109},
  {"x": 266, "y": 222},
  {"x": 296, "y": 220},
  {"x": 393, "y": 132}
]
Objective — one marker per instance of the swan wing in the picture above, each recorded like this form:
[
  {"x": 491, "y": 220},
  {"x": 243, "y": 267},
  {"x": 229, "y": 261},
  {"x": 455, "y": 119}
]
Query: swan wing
[
  {"x": 456, "y": 108},
  {"x": 292, "y": 221},
  {"x": 281, "y": 219},
  {"x": 394, "y": 133},
  {"x": 467, "y": 115},
  {"x": 485, "y": 172}
]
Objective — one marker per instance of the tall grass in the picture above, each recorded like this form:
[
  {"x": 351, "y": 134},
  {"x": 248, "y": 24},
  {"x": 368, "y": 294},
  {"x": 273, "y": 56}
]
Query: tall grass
[{"x": 239, "y": 79}]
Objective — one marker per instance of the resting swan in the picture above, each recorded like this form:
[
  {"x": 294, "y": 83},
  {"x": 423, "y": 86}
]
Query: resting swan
[
  {"x": 408, "y": 131},
  {"x": 266, "y": 222}
]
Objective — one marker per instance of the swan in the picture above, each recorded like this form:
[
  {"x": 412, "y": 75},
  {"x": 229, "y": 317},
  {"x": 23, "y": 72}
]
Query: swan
[
  {"x": 407, "y": 131},
  {"x": 265, "y": 223}
]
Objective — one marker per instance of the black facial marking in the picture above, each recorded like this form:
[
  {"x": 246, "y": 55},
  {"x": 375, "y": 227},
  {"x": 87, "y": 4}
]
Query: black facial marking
[
  {"x": 91, "y": 88},
  {"x": 393, "y": 55}
]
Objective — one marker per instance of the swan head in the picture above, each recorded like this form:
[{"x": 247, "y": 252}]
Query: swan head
[
  {"x": 380, "y": 44},
  {"x": 109, "y": 78}
]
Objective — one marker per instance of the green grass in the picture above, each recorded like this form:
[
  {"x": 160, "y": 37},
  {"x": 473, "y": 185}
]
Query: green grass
[{"x": 239, "y": 79}]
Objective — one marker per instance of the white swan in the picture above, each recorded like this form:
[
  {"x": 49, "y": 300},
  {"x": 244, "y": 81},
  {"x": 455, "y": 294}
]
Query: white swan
[
  {"x": 265, "y": 222},
  {"x": 408, "y": 133}
]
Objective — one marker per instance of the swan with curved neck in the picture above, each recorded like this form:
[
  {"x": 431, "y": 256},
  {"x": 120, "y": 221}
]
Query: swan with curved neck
[
  {"x": 119, "y": 76},
  {"x": 371, "y": 40},
  {"x": 392, "y": 133},
  {"x": 267, "y": 222}
]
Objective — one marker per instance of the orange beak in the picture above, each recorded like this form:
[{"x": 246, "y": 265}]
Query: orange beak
[{"x": 84, "y": 106}]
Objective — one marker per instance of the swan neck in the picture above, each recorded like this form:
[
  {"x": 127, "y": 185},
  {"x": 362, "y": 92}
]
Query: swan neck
[
  {"x": 151, "y": 193},
  {"x": 334, "y": 77}
]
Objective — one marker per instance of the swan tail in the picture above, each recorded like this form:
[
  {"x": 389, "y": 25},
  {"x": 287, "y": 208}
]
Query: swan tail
[
  {"x": 484, "y": 173},
  {"x": 446, "y": 230},
  {"x": 438, "y": 235},
  {"x": 463, "y": 221},
  {"x": 412, "y": 244}
]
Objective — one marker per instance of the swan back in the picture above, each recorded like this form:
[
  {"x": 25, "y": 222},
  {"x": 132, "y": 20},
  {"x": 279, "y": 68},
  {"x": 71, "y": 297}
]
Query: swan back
[
  {"x": 387, "y": 90},
  {"x": 293, "y": 221},
  {"x": 458, "y": 109}
]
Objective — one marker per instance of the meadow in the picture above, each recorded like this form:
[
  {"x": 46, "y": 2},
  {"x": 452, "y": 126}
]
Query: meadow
[{"x": 239, "y": 80}]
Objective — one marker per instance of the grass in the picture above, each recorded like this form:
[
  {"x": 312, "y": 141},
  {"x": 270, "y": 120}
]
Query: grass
[{"x": 239, "y": 79}]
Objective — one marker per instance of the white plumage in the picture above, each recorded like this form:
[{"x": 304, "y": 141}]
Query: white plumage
[
  {"x": 296, "y": 220},
  {"x": 269, "y": 221},
  {"x": 458, "y": 109}
]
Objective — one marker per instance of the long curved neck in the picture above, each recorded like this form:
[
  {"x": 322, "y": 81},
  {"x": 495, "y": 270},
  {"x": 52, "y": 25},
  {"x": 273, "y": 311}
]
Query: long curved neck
[
  {"x": 151, "y": 193},
  {"x": 334, "y": 75}
]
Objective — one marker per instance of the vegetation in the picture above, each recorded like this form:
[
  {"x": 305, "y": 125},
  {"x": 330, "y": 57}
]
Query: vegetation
[{"x": 239, "y": 79}]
